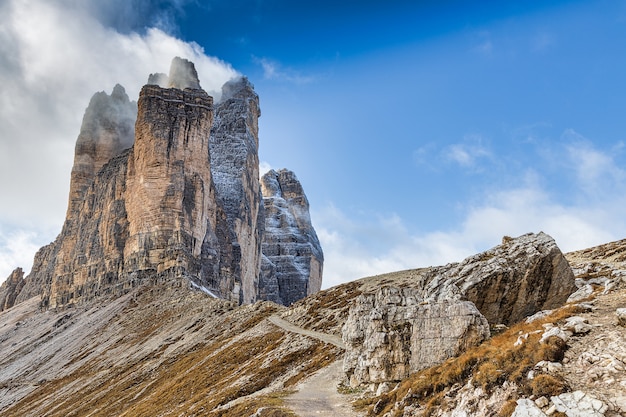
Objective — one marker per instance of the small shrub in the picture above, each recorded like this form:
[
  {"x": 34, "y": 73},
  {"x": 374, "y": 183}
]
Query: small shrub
[
  {"x": 547, "y": 385},
  {"x": 487, "y": 375},
  {"x": 553, "y": 349},
  {"x": 508, "y": 408}
]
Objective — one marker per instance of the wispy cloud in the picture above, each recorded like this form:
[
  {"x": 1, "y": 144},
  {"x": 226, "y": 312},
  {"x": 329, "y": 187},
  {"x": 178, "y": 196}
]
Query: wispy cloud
[
  {"x": 482, "y": 43},
  {"x": 542, "y": 42},
  {"x": 17, "y": 249},
  {"x": 356, "y": 246},
  {"x": 468, "y": 153},
  {"x": 273, "y": 70},
  {"x": 264, "y": 167},
  {"x": 597, "y": 172}
]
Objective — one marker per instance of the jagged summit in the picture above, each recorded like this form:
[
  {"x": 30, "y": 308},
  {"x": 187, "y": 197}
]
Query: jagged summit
[
  {"x": 182, "y": 75},
  {"x": 107, "y": 129},
  {"x": 237, "y": 88},
  {"x": 163, "y": 190}
]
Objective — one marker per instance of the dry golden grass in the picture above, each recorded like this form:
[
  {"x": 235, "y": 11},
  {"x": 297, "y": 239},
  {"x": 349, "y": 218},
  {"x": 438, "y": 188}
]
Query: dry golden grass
[
  {"x": 233, "y": 358},
  {"x": 490, "y": 364}
]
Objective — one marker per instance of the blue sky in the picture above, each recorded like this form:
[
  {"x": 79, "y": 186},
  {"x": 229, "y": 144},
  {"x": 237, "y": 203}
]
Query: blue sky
[{"x": 422, "y": 132}]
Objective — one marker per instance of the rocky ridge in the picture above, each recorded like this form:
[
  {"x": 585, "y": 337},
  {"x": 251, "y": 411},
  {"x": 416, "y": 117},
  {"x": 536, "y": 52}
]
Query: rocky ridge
[
  {"x": 400, "y": 330},
  {"x": 176, "y": 198},
  {"x": 569, "y": 360}
]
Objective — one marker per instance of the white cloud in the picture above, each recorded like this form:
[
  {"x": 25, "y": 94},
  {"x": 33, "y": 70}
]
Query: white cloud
[
  {"x": 17, "y": 249},
  {"x": 54, "y": 55},
  {"x": 542, "y": 42},
  {"x": 272, "y": 70},
  {"x": 597, "y": 172},
  {"x": 468, "y": 153},
  {"x": 384, "y": 243},
  {"x": 264, "y": 167},
  {"x": 482, "y": 43}
]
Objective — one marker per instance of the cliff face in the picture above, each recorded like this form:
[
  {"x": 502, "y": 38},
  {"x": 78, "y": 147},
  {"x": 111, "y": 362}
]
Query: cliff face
[
  {"x": 292, "y": 256},
  {"x": 234, "y": 146},
  {"x": 181, "y": 202},
  {"x": 11, "y": 288},
  {"x": 108, "y": 128}
]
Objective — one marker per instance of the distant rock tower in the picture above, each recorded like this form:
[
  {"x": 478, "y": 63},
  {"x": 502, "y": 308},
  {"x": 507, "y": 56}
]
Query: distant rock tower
[
  {"x": 167, "y": 190},
  {"x": 292, "y": 254}
]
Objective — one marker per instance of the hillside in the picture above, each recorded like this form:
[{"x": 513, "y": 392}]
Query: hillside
[{"x": 169, "y": 351}]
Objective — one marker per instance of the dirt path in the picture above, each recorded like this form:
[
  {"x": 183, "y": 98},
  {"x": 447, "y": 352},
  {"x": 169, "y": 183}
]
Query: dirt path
[
  {"x": 317, "y": 395},
  {"x": 324, "y": 337}
]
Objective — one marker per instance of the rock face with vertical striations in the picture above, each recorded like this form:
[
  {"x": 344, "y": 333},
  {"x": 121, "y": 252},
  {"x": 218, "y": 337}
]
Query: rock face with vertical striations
[
  {"x": 393, "y": 332},
  {"x": 292, "y": 255},
  {"x": 234, "y": 147},
  {"x": 11, "y": 288},
  {"x": 108, "y": 128},
  {"x": 175, "y": 198}
]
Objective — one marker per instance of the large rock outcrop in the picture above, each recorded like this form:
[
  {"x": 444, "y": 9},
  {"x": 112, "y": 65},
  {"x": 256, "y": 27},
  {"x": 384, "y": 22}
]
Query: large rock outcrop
[
  {"x": 178, "y": 200},
  {"x": 508, "y": 282},
  {"x": 393, "y": 332},
  {"x": 10, "y": 289},
  {"x": 447, "y": 309},
  {"x": 292, "y": 255}
]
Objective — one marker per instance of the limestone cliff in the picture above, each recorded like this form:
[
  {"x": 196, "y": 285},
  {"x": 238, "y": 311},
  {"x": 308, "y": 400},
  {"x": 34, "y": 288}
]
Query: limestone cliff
[
  {"x": 392, "y": 333},
  {"x": 178, "y": 200},
  {"x": 234, "y": 147},
  {"x": 11, "y": 288},
  {"x": 292, "y": 255},
  {"x": 108, "y": 128}
]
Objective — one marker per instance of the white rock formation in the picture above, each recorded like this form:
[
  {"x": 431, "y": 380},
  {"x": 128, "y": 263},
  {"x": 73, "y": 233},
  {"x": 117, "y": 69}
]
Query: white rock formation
[{"x": 392, "y": 333}]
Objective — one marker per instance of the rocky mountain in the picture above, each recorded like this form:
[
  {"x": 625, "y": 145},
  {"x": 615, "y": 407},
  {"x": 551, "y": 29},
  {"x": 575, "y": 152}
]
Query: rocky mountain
[
  {"x": 418, "y": 352},
  {"x": 184, "y": 284},
  {"x": 168, "y": 190},
  {"x": 166, "y": 350},
  {"x": 291, "y": 267}
]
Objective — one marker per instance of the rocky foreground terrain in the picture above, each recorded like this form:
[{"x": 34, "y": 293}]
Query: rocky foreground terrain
[{"x": 169, "y": 350}]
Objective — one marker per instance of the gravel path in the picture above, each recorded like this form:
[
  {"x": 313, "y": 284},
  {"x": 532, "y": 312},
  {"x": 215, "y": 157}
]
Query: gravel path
[
  {"x": 324, "y": 337},
  {"x": 317, "y": 395}
]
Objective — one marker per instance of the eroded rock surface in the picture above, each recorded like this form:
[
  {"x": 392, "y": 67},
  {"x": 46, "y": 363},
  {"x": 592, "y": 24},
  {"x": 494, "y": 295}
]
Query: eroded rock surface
[
  {"x": 509, "y": 282},
  {"x": 446, "y": 309},
  {"x": 393, "y": 332},
  {"x": 292, "y": 255},
  {"x": 234, "y": 158},
  {"x": 10, "y": 289},
  {"x": 108, "y": 128}
]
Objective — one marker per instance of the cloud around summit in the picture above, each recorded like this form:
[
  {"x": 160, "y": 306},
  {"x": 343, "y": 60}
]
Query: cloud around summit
[{"x": 54, "y": 55}]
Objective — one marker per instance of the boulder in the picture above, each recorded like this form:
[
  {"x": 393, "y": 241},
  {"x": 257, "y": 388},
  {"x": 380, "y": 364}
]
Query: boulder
[
  {"x": 621, "y": 316},
  {"x": 392, "y": 333},
  {"x": 445, "y": 310}
]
